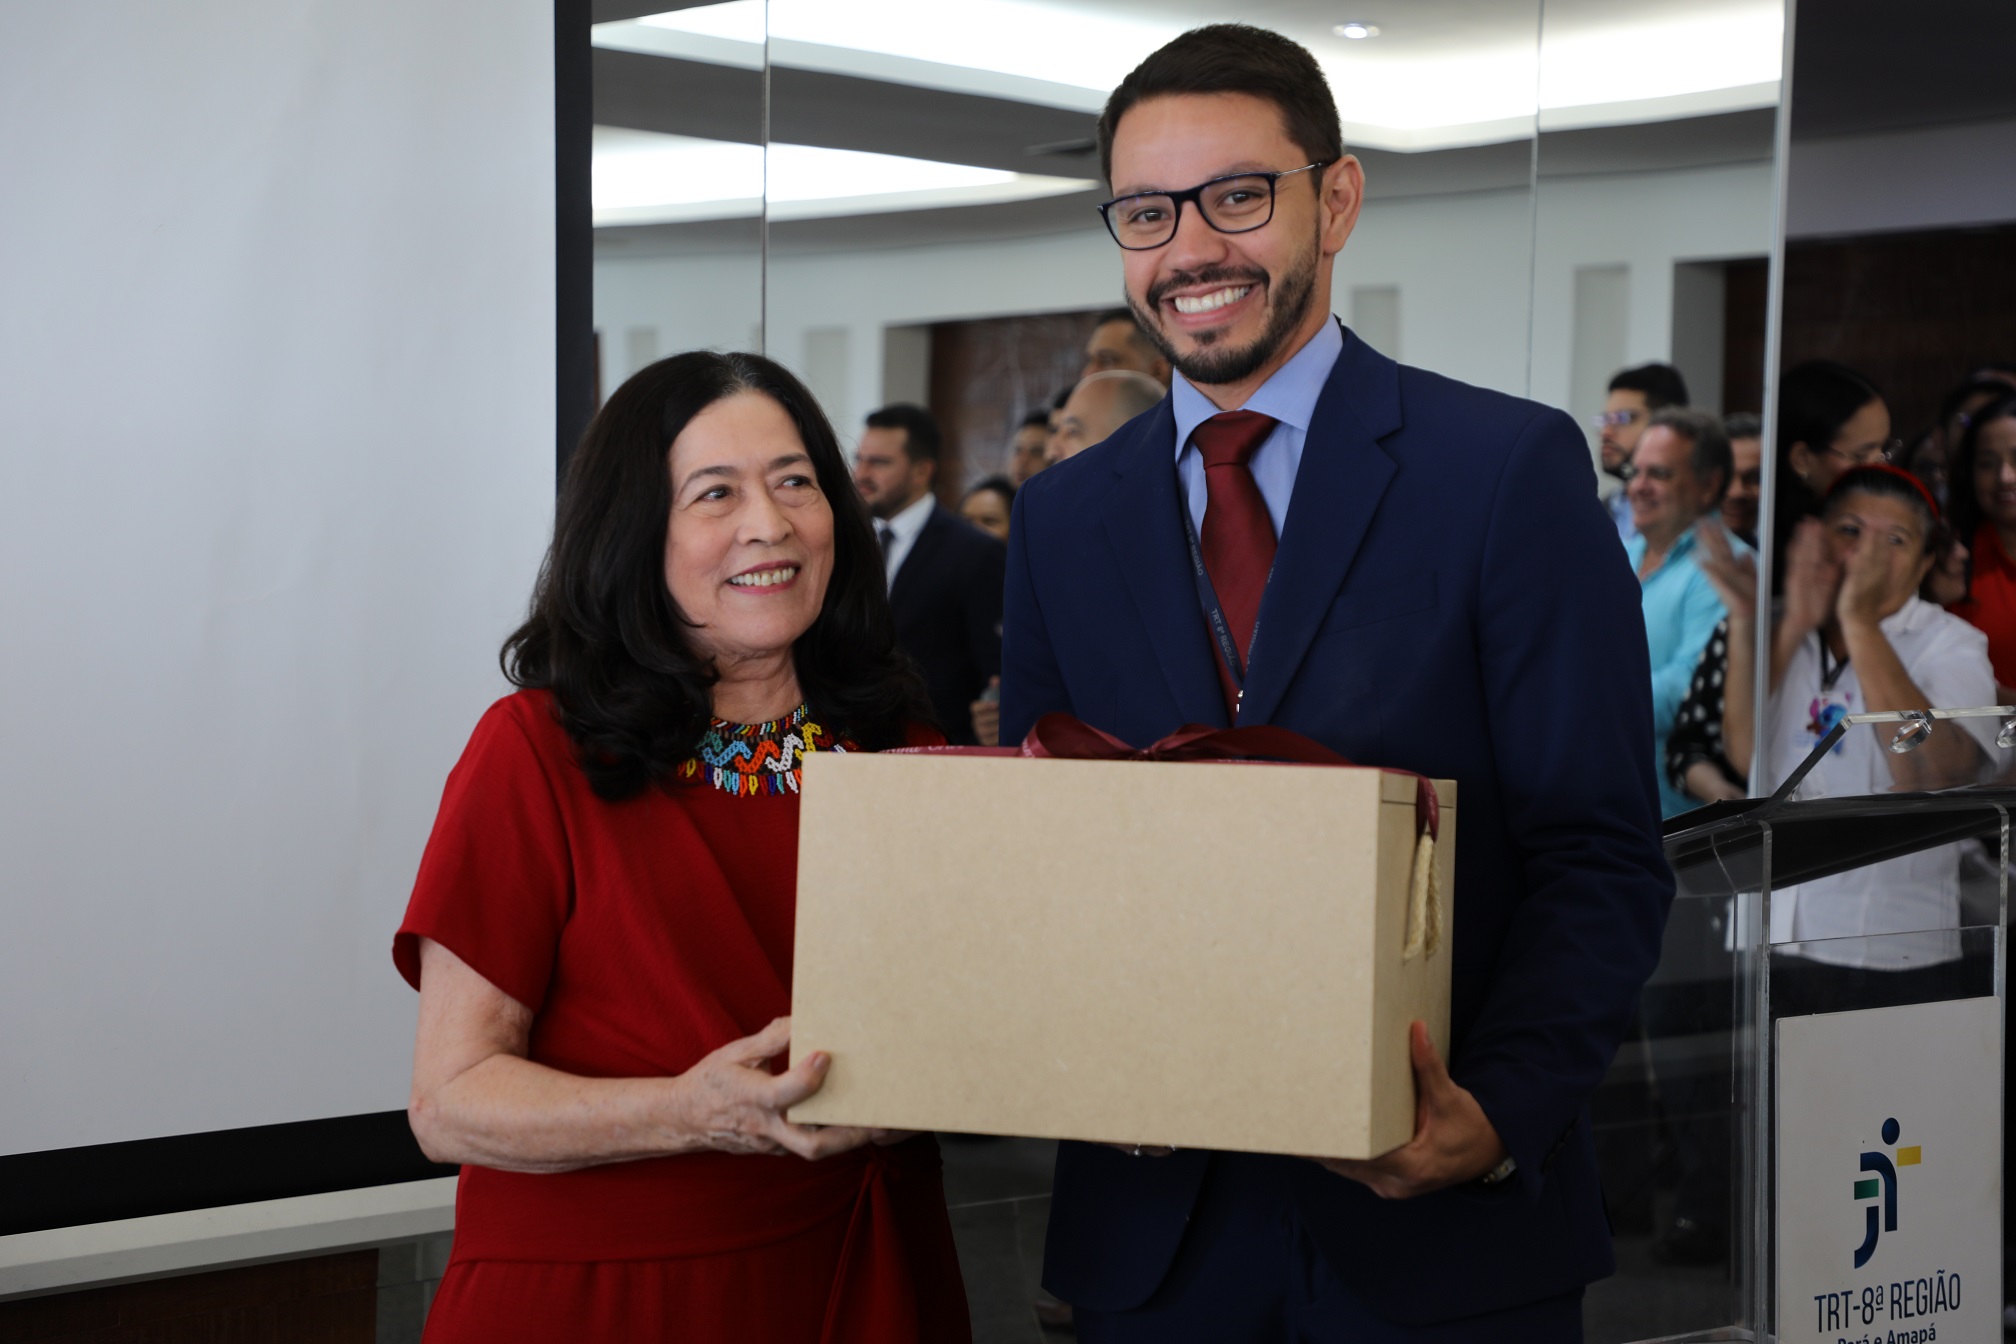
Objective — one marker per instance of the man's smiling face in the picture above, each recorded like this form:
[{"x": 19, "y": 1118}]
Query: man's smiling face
[{"x": 1223, "y": 306}]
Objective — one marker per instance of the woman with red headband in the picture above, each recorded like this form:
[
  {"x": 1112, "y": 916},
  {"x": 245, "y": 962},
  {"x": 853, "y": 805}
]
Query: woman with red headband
[{"x": 1854, "y": 637}]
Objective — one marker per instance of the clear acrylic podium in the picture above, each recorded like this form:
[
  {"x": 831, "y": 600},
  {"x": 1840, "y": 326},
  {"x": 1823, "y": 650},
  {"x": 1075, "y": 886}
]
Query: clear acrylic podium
[{"x": 1803, "y": 1137}]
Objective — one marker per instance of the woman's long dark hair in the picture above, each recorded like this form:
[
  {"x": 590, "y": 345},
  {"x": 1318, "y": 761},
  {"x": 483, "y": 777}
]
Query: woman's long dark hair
[
  {"x": 1964, "y": 505},
  {"x": 1815, "y": 399},
  {"x": 604, "y": 635}
]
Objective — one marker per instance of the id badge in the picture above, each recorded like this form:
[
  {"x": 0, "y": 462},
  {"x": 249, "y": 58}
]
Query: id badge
[{"x": 1828, "y": 708}]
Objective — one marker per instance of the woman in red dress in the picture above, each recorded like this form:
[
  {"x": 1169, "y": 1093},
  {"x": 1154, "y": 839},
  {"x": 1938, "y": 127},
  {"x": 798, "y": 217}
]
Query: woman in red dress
[{"x": 601, "y": 928}]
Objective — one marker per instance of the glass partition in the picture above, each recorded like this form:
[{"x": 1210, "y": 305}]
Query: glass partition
[
  {"x": 1654, "y": 206},
  {"x": 1851, "y": 955},
  {"x": 679, "y": 176},
  {"x": 1900, "y": 281},
  {"x": 1654, "y": 214}
]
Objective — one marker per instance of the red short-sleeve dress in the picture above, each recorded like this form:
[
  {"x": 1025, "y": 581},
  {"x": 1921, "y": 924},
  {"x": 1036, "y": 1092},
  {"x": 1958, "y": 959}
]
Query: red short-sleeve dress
[{"x": 644, "y": 935}]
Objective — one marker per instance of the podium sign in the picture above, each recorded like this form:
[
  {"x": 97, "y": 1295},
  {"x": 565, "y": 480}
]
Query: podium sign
[{"x": 1889, "y": 1174}]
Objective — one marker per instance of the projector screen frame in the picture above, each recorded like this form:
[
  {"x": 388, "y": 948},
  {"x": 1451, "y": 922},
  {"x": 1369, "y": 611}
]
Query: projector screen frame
[{"x": 92, "y": 1184}]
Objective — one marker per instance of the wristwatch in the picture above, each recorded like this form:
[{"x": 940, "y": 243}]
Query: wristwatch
[{"x": 1501, "y": 1172}]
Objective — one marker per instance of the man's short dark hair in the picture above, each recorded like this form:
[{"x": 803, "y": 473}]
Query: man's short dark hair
[
  {"x": 1036, "y": 419},
  {"x": 1743, "y": 425},
  {"x": 921, "y": 438},
  {"x": 1661, "y": 385},
  {"x": 1707, "y": 442},
  {"x": 1234, "y": 58}
]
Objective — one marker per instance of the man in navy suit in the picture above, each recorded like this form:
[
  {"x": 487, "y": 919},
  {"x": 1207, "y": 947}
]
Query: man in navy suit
[
  {"x": 1418, "y": 574},
  {"x": 944, "y": 573}
]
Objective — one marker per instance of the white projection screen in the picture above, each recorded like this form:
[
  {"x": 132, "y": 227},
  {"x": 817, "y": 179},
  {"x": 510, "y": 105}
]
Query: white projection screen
[{"x": 277, "y": 440}]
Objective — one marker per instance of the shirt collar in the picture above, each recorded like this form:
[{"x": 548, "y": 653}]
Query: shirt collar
[
  {"x": 1289, "y": 395},
  {"x": 907, "y": 524},
  {"x": 1682, "y": 545},
  {"x": 1906, "y": 618}
]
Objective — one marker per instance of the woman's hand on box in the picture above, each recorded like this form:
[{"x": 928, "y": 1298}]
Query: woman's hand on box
[
  {"x": 1454, "y": 1142},
  {"x": 733, "y": 1101}
]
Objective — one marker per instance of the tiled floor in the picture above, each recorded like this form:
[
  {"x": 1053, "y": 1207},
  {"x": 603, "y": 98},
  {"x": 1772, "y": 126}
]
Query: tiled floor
[
  {"x": 999, "y": 1193},
  {"x": 408, "y": 1272}
]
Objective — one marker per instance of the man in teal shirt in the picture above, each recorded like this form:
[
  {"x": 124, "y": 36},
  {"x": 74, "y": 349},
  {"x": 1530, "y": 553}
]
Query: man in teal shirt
[{"x": 1679, "y": 473}]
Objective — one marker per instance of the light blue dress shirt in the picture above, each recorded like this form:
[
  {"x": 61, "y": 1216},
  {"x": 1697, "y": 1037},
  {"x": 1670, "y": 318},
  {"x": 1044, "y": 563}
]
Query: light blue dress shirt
[
  {"x": 1681, "y": 610},
  {"x": 1620, "y": 514},
  {"x": 1289, "y": 396}
]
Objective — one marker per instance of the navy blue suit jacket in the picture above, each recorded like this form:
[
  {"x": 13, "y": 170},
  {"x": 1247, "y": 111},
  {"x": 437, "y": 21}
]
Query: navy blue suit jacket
[
  {"x": 1448, "y": 597},
  {"x": 947, "y": 605}
]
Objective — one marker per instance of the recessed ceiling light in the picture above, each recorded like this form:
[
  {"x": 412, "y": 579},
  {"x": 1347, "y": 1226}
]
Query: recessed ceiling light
[{"x": 1356, "y": 31}]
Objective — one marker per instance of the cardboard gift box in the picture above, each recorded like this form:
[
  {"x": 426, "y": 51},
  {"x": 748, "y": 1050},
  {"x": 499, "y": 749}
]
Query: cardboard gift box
[{"x": 1205, "y": 953}]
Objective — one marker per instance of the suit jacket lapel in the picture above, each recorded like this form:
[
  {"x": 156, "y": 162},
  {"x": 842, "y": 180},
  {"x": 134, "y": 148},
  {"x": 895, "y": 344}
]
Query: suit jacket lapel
[
  {"x": 1144, "y": 525},
  {"x": 1343, "y": 476}
]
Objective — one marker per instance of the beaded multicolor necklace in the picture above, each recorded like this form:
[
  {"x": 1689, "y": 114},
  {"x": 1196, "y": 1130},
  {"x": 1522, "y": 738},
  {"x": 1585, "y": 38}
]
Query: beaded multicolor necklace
[{"x": 748, "y": 759}]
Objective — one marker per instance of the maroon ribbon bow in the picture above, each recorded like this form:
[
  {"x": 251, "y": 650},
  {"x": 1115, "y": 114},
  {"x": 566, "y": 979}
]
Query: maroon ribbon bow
[{"x": 1064, "y": 737}]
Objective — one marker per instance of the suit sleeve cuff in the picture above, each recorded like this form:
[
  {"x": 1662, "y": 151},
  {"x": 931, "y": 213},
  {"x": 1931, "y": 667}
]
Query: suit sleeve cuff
[{"x": 1531, "y": 1133}]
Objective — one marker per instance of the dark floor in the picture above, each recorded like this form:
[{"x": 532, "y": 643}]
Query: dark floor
[
  {"x": 999, "y": 1190},
  {"x": 999, "y": 1194}
]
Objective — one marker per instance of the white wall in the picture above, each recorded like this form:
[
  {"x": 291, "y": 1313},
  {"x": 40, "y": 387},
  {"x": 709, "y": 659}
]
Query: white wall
[
  {"x": 1644, "y": 222},
  {"x": 1935, "y": 177},
  {"x": 1460, "y": 265},
  {"x": 257, "y": 551},
  {"x": 710, "y": 302}
]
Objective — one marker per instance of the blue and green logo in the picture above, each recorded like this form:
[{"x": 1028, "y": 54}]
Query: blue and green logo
[{"x": 1882, "y": 1186}]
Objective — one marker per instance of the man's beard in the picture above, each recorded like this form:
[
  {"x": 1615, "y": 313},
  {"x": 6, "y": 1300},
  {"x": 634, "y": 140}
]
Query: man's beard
[{"x": 1211, "y": 363}]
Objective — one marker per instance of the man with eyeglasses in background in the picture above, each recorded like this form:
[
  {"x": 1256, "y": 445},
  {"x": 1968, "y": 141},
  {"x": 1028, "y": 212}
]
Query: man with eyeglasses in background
[
  {"x": 1411, "y": 571},
  {"x": 1634, "y": 395}
]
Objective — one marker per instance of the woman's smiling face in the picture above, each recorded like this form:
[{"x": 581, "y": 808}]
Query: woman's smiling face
[{"x": 749, "y": 544}]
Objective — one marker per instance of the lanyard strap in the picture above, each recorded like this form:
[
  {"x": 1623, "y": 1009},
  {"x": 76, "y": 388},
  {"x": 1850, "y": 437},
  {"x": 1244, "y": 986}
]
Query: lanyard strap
[
  {"x": 1214, "y": 614},
  {"x": 1828, "y": 676}
]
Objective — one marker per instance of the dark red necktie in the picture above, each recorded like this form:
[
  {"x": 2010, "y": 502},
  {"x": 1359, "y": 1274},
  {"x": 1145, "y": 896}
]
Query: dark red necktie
[{"x": 1238, "y": 539}]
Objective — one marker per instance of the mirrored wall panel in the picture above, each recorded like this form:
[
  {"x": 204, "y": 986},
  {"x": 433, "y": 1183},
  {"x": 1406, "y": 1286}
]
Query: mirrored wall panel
[
  {"x": 679, "y": 175},
  {"x": 1900, "y": 304},
  {"x": 1654, "y": 213}
]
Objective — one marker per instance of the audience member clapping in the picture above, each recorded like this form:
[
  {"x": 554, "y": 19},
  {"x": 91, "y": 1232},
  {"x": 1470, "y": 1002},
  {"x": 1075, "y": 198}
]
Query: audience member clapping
[
  {"x": 1853, "y": 637},
  {"x": 1830, "y": 419}
]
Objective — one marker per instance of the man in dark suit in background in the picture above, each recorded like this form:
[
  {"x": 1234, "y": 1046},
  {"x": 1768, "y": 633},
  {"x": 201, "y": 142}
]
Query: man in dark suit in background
[
  {"x": 944, "y": 573},
  {"x": 1415, "y": 573}
]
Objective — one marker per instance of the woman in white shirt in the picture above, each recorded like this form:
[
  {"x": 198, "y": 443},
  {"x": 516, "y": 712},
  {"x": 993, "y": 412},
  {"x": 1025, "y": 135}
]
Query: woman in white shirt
[{"x": 1854, "y": 637}]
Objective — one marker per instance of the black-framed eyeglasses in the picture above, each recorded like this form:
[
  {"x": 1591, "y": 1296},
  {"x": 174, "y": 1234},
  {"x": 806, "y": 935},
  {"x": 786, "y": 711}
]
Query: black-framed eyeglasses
[{"x": 1240, "y": 203}]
